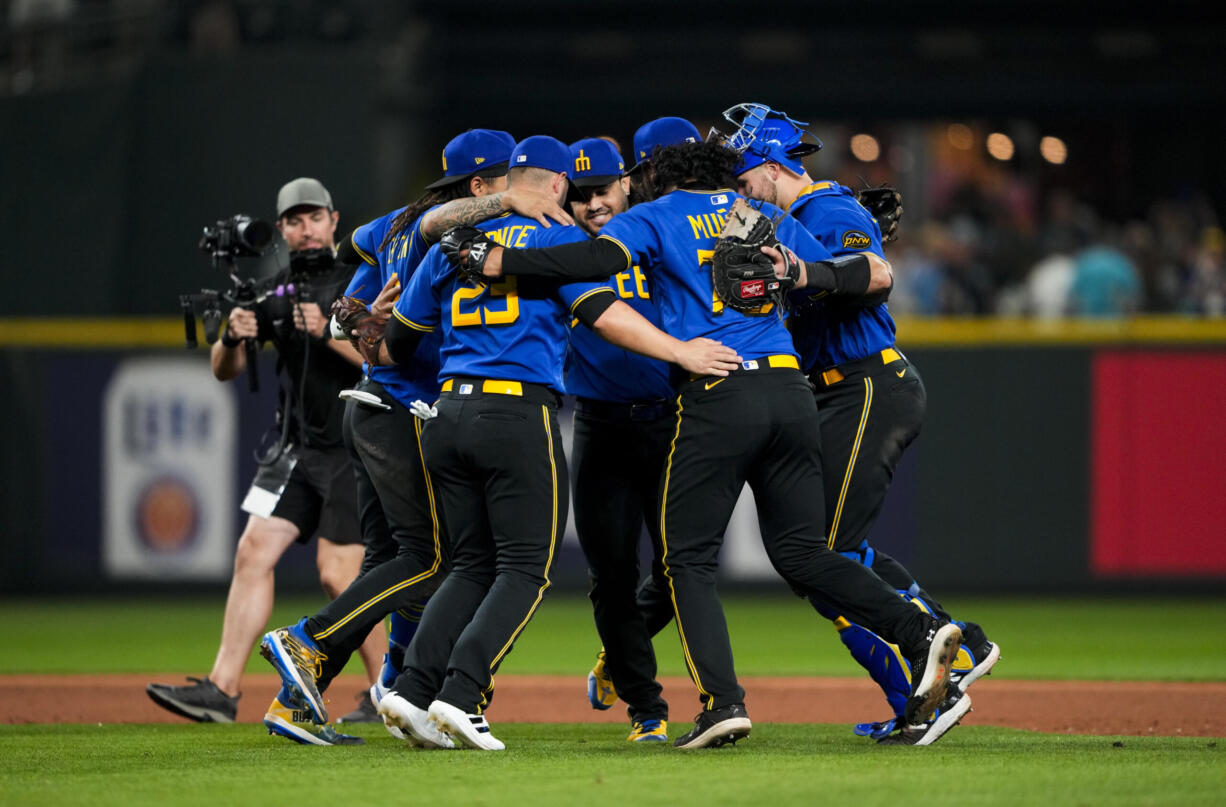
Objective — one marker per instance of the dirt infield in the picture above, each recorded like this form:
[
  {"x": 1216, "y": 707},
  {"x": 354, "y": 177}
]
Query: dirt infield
[{"x": 1065, "y": 707}]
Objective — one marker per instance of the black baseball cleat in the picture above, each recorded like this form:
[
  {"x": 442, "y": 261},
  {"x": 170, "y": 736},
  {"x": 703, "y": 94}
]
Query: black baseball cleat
[
  {"x": 201, "y": 701},
  {"x": 950, "y": 713},
  {"x": 930, "y": 666},
  {"x": 717, "y": 727}
]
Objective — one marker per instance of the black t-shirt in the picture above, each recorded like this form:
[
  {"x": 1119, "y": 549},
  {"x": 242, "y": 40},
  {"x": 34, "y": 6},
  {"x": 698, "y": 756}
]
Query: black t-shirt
[{"x": 313, "y": 408}]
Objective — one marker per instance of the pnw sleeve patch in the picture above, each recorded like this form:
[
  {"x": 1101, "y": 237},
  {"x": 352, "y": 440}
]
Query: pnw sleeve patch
[{"x": 854, "y": 239}]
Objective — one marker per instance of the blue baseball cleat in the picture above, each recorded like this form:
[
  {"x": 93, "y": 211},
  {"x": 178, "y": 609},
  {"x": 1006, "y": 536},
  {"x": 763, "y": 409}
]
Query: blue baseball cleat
[
  {"x": 296, "y": 658},
  {"x": 600, "y": 691},
  {"x": 288, "y": 718}
]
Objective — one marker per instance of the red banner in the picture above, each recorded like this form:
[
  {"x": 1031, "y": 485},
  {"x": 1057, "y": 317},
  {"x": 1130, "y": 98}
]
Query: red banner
[{"x": 1158, "y": 465}]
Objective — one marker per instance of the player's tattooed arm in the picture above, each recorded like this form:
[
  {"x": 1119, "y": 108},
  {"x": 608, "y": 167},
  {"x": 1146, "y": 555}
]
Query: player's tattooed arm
[{"x": 476, "y": 209}]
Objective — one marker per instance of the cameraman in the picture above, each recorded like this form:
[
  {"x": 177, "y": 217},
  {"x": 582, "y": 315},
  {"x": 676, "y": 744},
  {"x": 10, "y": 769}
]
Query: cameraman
[{"x": 305, "y": 485}]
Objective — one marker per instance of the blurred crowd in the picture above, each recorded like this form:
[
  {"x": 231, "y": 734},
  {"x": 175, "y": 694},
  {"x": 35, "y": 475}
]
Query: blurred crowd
[
  {"x": 1010, "y": 253},
  {"x": 979, "y": 237}
]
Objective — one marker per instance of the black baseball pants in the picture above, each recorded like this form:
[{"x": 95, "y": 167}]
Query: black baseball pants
[
  {"x": 405, "y": 557},
  {"x": 758, "y": 427},
  {"x": 501, "y": 475},
  {"x": 617, "y": 460}
]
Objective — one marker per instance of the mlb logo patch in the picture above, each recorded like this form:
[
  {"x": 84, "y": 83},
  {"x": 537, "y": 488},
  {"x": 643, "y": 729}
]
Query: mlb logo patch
[
  {"x": 523, "y": 158},
  {"x": 722, "y": 199},
  {"x": 466, "y": 389},
  {"x": 752, "y": 364}
]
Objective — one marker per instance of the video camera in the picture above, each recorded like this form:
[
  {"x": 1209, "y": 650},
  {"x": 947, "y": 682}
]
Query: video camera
[{"x": 239, "y": 236}]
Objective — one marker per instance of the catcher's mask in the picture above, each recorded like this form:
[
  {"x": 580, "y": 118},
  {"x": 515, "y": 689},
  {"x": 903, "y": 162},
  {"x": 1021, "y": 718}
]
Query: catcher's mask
[{"x": 763, "y": 134}]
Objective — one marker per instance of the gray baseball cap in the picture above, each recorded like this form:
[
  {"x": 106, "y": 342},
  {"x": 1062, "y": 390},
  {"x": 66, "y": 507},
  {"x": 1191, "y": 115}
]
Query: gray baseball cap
[{"x": 302, "y": 191}]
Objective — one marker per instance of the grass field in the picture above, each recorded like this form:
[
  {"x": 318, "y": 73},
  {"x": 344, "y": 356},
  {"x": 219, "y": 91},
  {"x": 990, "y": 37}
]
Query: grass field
[
  {"x": 781, "y": 764},
  {"x": 1181, "y": 639}
]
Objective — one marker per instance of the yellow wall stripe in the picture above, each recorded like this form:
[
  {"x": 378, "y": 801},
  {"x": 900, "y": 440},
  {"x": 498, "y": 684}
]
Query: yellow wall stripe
[{"x": 108, "y": 333}]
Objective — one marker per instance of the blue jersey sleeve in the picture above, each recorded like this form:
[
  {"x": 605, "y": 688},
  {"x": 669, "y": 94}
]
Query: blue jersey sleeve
[
  {"x": 365, "y": 240},
  {"x": 834, "y": 217},
  {"x": 419, "y": 306},
  {"x": 796, "y": 238},
  {"x": 637, "y": 235}
]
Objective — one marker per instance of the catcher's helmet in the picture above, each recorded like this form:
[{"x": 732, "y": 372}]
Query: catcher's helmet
[{"x": 763, "y": 134}]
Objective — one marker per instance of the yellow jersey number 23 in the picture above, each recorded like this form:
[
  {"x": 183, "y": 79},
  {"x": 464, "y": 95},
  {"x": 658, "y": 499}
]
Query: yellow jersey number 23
[{"x": 471, "y": 306}]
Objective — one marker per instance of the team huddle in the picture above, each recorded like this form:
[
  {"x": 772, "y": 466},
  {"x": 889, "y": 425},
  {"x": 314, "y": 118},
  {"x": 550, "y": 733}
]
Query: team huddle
[{"x": 720, "y": 319}]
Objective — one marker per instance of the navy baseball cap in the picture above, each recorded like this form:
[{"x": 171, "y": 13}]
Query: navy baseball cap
[
  {"x": 475, "y": 151},
  {"x": 662, "y": 132},
  {"x": 596, "y": 162},
  {"x": 541, "y": 151}
]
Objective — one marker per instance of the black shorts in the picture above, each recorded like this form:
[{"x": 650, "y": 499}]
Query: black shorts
[{"x": 320, "y": 496}]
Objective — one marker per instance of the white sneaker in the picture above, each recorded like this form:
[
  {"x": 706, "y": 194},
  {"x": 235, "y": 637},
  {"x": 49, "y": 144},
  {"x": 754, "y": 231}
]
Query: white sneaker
[
  {"x": 470, "y": 730},
  {"x": 411, "y": 723}
]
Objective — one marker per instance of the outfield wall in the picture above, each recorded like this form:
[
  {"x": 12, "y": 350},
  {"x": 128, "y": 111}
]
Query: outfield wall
[{"x": 1054, "y": 457}]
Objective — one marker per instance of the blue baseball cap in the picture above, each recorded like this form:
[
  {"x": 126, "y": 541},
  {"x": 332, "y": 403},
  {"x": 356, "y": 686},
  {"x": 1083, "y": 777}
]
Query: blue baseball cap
[
  {"x": 475, "y": 151},
  {"x": 596, "y": 162},
  {"x": 541, "y": 151},
  {"x": 662, "y": 132}
]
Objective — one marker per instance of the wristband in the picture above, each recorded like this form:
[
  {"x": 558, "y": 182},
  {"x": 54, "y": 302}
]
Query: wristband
[{"x": 229, "y": 341}]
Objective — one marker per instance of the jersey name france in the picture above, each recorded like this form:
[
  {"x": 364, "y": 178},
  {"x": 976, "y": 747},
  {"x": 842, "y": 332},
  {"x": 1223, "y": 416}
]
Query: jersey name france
[
  {"x": 416, "y": 379},
  {"x": 514, "y": 329},
  {"x": 673, "y": 239},
  {"x": 831, "y": 332},
  {"x": 600, "y": 371}
]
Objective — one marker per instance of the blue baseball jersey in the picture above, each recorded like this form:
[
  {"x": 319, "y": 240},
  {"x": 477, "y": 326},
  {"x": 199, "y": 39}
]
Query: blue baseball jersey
[
  {"x": 416, "y": 379},
  {"x": 831, "y": 332},
  {"x": 673, "y": 239},
  {"x": 515, "y": 329},
  {"x": 602, "y": 371}
]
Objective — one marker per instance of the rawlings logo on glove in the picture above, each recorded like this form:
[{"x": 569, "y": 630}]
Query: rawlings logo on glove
[{"x": 743, "y": 276}]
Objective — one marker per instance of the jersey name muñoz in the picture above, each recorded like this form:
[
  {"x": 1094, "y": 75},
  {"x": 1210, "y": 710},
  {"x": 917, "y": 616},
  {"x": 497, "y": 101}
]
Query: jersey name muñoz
[{"x": 673, "y": 239}]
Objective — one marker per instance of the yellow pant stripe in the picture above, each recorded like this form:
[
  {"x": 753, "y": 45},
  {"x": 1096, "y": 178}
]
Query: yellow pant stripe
[
  {"x": 851, "y": 462},
  {"x": 668, "y": 573},
  {"x": 553, "y": 539},
  {"x": 438, "y": 553}
]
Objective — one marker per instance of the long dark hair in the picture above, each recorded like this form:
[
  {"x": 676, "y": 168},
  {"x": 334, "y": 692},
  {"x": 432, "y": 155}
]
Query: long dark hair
[
  {"x": 457, "y": 190},
  {"x": 693, "y": 165}
]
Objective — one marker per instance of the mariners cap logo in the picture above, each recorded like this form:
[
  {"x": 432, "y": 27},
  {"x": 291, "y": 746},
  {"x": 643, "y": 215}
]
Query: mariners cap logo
[
  {"x": 444, "y": 160},
  {"x": 583, "y": 162}
]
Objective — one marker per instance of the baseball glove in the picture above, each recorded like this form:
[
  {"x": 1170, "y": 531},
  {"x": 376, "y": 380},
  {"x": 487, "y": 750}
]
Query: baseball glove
[
  {"x": 478, "y": 244},
  {"x": 368, "y": 338},
  {"x": 885, "y": 205},
  {"x": 744, "y": 278},
  {"x": 364, "y": 329},
  {"x": 348, "y": 312}
]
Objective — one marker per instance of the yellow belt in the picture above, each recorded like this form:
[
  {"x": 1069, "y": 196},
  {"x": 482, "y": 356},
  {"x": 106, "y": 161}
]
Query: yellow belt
[
  {"x": 492, "y": 385},
  {"x": 835, "y": 375},
  {"x": 778, "y": 360}
]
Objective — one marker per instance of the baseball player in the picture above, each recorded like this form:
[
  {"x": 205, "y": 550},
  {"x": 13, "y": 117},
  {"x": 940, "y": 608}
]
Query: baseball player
[
  {"x": 405, "y": 545},
  {"x": 495, "y": 453},
  {"x": 870, "y": 401},
  {"x": 622, "y": 430},
  {"x": 756, "y": 425},
  {"x": 308, "y": 489},
  {"x": 651, "y": 135}
]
